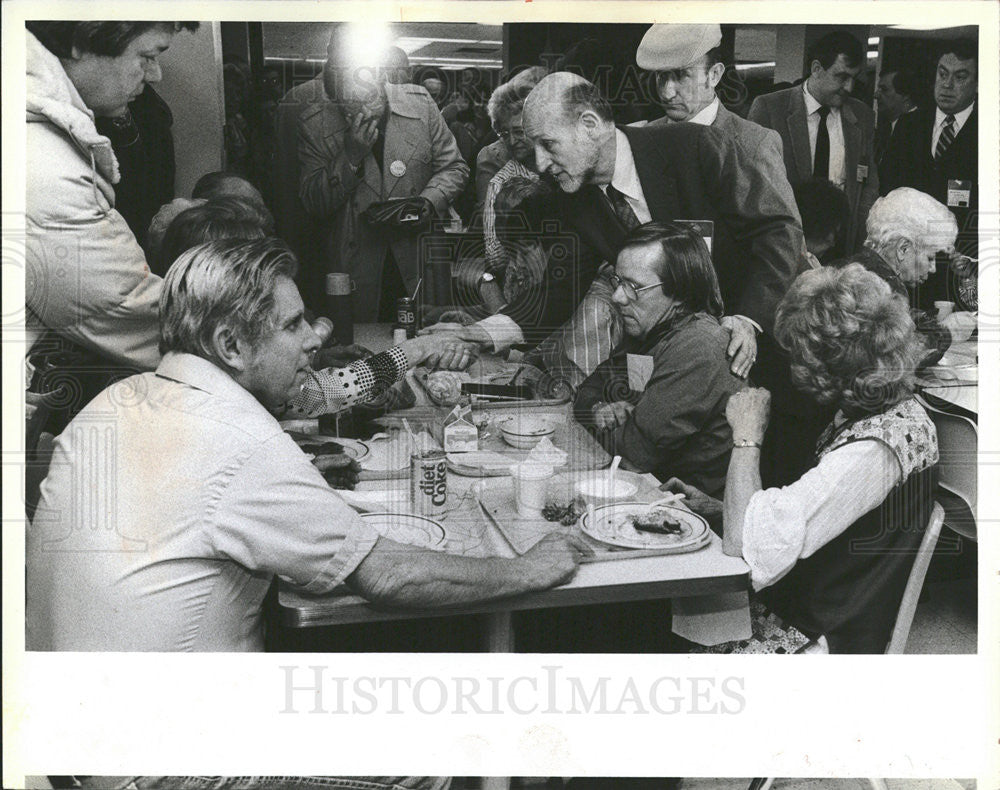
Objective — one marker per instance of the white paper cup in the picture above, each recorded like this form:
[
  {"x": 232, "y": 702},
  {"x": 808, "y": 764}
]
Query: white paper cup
[
  {"x": 531, "y": 487},
  {"x": 944, "y": 309}
]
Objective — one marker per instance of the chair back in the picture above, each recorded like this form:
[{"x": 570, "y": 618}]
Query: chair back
[{"x": 908, "y": 606}]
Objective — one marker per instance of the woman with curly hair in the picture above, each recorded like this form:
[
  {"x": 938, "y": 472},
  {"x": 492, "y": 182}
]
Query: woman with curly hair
[{"x": 830, "y": 554}]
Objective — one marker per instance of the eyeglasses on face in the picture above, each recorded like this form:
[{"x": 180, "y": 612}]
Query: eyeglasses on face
[{"x": 631, "y": 291}]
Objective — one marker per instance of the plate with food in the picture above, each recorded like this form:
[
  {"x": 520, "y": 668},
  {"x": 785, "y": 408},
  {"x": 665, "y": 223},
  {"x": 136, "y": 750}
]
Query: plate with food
[
  {"x": 407, "y": 528},
  {"x": 354, "y": 448},
  {"x": 638, "y": 525}
]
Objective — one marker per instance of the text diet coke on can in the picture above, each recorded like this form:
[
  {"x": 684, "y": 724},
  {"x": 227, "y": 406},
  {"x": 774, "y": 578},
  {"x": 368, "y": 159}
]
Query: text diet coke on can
[{"x": 428, "y": 482}]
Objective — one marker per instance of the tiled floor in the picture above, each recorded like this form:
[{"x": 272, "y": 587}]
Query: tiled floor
[{"x": 946, "y": 620}]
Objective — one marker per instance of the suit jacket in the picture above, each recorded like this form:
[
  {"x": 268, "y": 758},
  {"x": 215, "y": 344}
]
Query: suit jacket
[
  {"x": 909, "y": 163},
  {"x": 331, "y": 191},
  {"x": 785, "y": 112},
  {"x": 757, "y": 143},
  {"x": 697, "y": 172}
]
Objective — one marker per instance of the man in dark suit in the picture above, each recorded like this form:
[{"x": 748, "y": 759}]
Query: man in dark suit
[
  {"x": 826, "y": 133},
  {"x": 935, "y": 151},
  {"x": 610, "y": 179},
  {"x": 896, "y": 95}
]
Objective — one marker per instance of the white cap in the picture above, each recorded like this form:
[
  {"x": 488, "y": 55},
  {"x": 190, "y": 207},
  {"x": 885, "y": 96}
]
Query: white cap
[{"x": 670, "y": 47}]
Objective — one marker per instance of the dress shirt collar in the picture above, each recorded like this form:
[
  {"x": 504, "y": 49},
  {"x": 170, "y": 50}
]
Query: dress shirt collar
[
  {"x": 812, "y": 105},
  {"x": 625, "y": 178},
  {"x": 960, "y": 117},
  {"x": 206, "y": 376},
  {"x": 706, "y": 115}
]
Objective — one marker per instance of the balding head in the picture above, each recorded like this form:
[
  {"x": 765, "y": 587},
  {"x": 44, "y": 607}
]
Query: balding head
[
  {"x": 570, "y": 126},
  {"x": 571, "y": 93},
  {"x": 907, "y": 228}
]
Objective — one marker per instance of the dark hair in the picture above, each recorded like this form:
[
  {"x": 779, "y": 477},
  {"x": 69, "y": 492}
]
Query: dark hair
[
  {"x": 713, "y": 56},
  {"x": 99, "y": 38},
  {"x": 686, "y": 269},
  {"x": 827, "y": 48},
  {"x": 823, "y": 207},
  {"x": 212, "y": 186},
  {"x": 218, "y": 219},
  {"x": 961, "y": 48},
  {"x": 905, "y": 82}
]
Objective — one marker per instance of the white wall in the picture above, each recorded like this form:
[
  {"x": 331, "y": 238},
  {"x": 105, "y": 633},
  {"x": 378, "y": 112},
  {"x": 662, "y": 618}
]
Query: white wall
[{"x": 192, "y": 86}]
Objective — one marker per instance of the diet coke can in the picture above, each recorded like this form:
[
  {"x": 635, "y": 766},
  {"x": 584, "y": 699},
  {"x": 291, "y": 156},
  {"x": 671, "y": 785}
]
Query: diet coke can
[
  {"x": 428, "y": 482},
  {"x": 406, "y": 316}
]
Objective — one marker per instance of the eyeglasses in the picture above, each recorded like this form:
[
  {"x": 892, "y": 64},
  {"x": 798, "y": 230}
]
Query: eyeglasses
[
  {"x": 630, "y": 291},
  {"x": 511, "y": 134}
]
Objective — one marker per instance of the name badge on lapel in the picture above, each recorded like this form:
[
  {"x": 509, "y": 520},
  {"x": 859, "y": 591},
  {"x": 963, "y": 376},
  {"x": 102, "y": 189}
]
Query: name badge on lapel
[
  {"x": 398, "y": 169},
  {"x": 862, "y": 172},
  {"x": 640, "y": 370},
  {"x": 959, "y": 193}
]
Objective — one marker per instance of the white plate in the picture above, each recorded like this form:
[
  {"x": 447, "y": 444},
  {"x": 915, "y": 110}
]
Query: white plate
[
  {"x": 407, "y": 528},
  {"x": 353, "y": 447},
  {"x": 610, "y": 524}
]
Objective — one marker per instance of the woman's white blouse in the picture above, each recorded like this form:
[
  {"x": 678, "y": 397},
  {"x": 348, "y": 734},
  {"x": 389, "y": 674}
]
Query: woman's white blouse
[{"x": 783, "y": 525}]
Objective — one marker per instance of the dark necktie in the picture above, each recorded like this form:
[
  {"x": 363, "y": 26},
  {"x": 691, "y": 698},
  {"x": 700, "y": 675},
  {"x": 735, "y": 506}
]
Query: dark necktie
[
  {"x": 821, "y": 161},
  {"x": 946, "y": 138},
  {"x": 622, "y": 209},
  {"x": 883, "y": 132}
]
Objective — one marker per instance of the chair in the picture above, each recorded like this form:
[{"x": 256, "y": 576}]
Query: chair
[
  {"x": 908, "y": 606},
  {"x": 958, "y": 441}
]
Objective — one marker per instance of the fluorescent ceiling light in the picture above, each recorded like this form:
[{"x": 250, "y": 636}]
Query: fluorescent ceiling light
[
  {"x": 924, "y": 27},
  {"x": 748, "y": 66}
]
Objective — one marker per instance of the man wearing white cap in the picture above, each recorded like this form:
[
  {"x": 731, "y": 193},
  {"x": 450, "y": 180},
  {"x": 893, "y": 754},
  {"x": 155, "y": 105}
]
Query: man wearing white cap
[{"x": 687, "y": 61}]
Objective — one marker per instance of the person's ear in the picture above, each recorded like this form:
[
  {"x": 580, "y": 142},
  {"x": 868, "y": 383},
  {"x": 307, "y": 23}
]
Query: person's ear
[
  {"x": 715, "y": 74},
  {"x": 229, "y": 349},
  {"x": 903, "y": 249},
  {"x": 590, "y": 122},
  {"x": 815, "y": 68}
]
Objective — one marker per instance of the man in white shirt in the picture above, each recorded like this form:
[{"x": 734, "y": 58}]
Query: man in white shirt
[
  {"x": 174, "y": 497},
  {"x": 895, "y": 94},
  {"x": 824, "y": 132}
]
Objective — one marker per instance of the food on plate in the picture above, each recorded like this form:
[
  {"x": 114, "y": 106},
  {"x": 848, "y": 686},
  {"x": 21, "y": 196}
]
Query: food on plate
[
  {"x": 566, "y": 513},
  {"x": 657, "y": 521},
  {"x": 444, "y": 387}
]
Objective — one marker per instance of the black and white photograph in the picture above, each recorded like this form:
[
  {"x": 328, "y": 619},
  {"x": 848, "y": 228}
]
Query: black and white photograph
[
  {"x": 484, "y": 783},
  {"x": 406, "y": 333}
]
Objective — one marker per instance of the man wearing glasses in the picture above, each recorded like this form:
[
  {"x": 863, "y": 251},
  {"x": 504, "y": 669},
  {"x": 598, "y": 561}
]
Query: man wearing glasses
[{"x": 660, "y": 400}]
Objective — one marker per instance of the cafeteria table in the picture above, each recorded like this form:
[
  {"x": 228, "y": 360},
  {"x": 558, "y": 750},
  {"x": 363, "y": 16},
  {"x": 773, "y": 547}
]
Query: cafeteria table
[
  {"x": 712, "y": 585},
  {"x": 954, "y": 380}
]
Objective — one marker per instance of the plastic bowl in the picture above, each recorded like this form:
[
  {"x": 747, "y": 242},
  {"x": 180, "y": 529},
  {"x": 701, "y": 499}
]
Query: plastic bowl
[
  {"x": 525, "y": 432},
  {"x": 596, "y": 490}
]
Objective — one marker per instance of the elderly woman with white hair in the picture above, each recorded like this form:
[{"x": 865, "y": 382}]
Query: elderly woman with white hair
[
  {"x": 830, "y": 553},
  {"x": 907, "y": 229}
]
